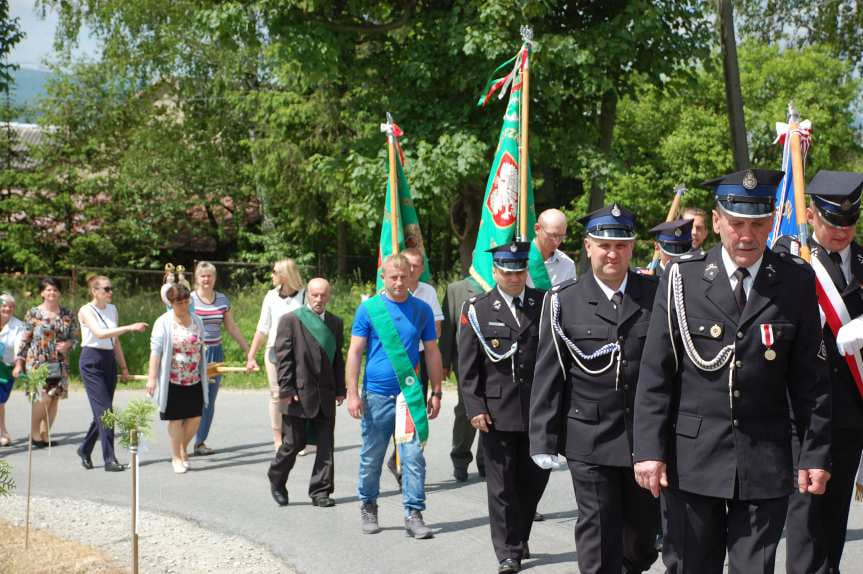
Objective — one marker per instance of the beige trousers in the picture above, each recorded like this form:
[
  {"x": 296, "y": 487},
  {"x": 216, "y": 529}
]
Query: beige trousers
[{"x": 273, "y": 380}]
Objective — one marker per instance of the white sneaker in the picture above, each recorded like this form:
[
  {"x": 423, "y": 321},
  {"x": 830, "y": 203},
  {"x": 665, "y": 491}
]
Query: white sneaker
[
  {"x": 311, "y": 449},
  {"x": 179, "y": 467}
]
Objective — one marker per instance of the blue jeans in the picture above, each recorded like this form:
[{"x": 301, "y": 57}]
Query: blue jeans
[
  {"x": 215, "y": 354},
  {"x": 377, "y": 427}
]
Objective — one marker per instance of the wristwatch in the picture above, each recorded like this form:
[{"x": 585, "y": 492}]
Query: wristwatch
[{"x": 438, "y": 394}]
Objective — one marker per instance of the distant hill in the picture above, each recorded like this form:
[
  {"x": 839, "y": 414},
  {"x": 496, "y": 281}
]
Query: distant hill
[{"x": 28, "y": 86}]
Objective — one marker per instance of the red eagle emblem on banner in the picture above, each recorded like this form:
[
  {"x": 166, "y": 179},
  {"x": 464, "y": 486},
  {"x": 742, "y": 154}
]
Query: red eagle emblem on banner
[{"x": 503, "y": 196}]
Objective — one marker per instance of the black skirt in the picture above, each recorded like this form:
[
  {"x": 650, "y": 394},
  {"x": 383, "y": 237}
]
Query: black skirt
[{"x": 184, "y": 402}]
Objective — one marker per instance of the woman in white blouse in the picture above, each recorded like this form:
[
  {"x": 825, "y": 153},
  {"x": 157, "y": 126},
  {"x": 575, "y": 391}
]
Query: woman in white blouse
[
  {"x": 10, "y": 333},
  {"x": 289, "y": 293},
  {"x": 101, "y": 356}
]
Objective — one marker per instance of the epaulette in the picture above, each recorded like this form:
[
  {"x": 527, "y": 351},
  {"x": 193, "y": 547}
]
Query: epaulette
[
  {"x": 691, "y": 256},
  {"x": 563, "y": 285},
  {"x": 795, "y": 261},
  {"x": 651, "y": 278}
]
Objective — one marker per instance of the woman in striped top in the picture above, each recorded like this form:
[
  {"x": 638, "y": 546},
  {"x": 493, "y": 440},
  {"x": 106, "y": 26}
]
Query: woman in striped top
[{"x": 214, "y": 310}]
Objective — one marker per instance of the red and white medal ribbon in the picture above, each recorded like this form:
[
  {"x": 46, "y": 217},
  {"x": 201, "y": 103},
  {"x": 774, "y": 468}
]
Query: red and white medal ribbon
[{"x": 767, "y": 341}]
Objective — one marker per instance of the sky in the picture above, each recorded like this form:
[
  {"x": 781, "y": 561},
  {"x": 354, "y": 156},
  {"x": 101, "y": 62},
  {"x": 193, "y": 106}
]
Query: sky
[{"x": 37, "y": 45}]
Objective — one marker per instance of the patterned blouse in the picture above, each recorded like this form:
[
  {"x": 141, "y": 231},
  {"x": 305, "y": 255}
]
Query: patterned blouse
[
  {"x": 188, "y": 343},
  {"x": 41, "y": 335}
]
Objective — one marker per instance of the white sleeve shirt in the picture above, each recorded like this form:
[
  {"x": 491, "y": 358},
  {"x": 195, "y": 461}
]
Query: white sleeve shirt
[{"x": 731, "y": 267}]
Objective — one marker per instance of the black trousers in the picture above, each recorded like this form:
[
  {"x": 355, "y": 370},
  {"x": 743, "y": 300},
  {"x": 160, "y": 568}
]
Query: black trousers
[
  {"x": 699, "y": 529},
  {"x": 98, "y": 369},
  {"x": 816, "y": 525},
  {"x": 463, "y": 434},
  {"x": 514, "y": 485},
  {"x": 294, "y": 441},
  {"x": 617, "y": 520}
]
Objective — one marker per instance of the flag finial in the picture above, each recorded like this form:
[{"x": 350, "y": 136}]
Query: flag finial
[
  {"x": 527, "y": 34},
  {"x": 793, "y": 114}
]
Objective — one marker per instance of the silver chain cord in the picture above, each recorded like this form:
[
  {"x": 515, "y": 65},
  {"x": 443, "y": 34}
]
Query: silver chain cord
[
  {"x": 725, "y": 354},
  {"x": 492, "y": 355}
]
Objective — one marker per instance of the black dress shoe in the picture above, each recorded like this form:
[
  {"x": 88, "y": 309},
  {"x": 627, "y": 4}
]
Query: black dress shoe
[
  {"x": 280, "y": 495},
  {"x": 525, "y": 554},
  {"x": 323, "y": 501},
  {"x": 481, "y": 472},
  {"x": 538, "y": 517},
  {"x": 460, "y": 474},
  {"x": 44, "y": 444},
  {"x": 86, "y": 462},
  {"x": 114, "y": 466},
  {"x": 509, "y": 565}
]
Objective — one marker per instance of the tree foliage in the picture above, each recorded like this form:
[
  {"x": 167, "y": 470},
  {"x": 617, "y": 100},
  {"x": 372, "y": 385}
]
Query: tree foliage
[{"x": 250, "y": 130}]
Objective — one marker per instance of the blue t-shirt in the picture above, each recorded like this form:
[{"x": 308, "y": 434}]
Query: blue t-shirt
[{"x": 414, "y": 321}]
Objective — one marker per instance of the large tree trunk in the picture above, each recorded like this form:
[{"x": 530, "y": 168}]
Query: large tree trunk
[
  {"x": 733, "y": 94},
  {"x": 342, "y": 249},
  {"x": 607, "y": 119},
  {"x": 464, "y": 219}
]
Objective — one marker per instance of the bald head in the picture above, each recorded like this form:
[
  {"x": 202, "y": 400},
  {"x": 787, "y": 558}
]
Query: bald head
[
  {"x": 550, "y": 231},
  {"x": 318, "y": 294}
]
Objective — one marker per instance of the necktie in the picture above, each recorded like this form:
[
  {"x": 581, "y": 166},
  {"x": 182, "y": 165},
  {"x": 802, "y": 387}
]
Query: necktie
[
  {"x": 739, "y": 293},
  {"x": 837, "y": 259},
  {"x": 617, "y": 299},
  {"x": 516, "y": 303}
]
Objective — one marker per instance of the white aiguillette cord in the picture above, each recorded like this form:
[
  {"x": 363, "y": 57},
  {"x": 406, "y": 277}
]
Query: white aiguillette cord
[
  {"x": 725, "y": 354},
  {"x": 577, "y": 354}
]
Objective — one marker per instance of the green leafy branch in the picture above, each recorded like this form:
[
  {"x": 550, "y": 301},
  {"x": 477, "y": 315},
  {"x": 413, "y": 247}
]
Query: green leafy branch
[
  {"x": 33, "y": 381},
  {"x": 7, "y": 483},
  {"x": 138, "y": 416}
]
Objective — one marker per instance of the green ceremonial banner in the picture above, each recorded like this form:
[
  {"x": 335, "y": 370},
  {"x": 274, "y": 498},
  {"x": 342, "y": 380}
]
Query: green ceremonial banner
[
  {"x": 499, "y": 220},
  {"x": 409, "y": 234}
]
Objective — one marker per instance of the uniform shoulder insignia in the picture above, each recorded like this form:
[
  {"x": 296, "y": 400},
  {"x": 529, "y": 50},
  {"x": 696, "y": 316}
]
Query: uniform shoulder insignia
[
  {"x": 648, "y": 278},
  {"x": 563, "y": 285}
]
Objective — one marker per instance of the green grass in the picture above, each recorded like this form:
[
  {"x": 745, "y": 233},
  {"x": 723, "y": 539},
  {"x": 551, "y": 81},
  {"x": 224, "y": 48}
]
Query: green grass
[{"x": 246, "y": 307}]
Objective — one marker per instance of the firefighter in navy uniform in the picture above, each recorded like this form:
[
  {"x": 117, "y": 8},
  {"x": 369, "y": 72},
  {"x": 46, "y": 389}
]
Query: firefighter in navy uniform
[
  {"x": 734, "y": 340},
  {"x": 497, "y": 343},
  {"x": 816, "y": 525},
  {"x": 591, "y": 339},
  {"x": 673, "y": 238}
]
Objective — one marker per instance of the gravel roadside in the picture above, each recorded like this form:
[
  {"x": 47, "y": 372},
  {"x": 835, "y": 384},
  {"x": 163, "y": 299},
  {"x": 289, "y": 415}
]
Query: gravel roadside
[{"x": 167, "y": 544}]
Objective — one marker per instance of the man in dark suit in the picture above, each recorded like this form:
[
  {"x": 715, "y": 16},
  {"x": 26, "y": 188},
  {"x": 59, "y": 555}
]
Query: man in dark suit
[
  {"x": 463, "y": 432},
  {"x": 816, "y": 525},
  {"x": 311, "y": 371},
  {"x": 590, "y": 344},
  {"x": 497, "y": 351},
  {"x": 739, "y": 342}
]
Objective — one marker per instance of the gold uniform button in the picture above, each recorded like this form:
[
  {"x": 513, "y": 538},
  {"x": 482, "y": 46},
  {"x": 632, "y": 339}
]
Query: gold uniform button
[{"x": 739, "y": 334}]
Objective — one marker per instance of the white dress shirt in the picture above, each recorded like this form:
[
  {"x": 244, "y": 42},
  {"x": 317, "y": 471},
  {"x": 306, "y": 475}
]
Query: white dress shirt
[
  {"x": 510, "y": 302},
  {"x": 559, "y": 267},
  {"x": 731, "y": 267},
  {"x": 608, "y": 291},
  {"x": 845, "y": 255}
]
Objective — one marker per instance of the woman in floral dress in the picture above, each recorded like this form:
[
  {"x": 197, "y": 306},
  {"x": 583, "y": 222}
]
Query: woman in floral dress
[{"x": 50, "y": 333}]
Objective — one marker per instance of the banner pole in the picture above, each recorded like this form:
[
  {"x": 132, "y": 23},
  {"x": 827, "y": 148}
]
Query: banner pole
[
  {"x": 524, "y": 119},
  {"x": 394, "y": 185},
  {"x": 133, "y": 450},
  {"x": 799, "y": 181}
]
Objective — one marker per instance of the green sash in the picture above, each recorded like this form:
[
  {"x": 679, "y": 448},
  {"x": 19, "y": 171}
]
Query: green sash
[
  {"x": 409, "y": 381},
  {"x": 318, "y": 329},
  {"x": 536, "y": 268}
]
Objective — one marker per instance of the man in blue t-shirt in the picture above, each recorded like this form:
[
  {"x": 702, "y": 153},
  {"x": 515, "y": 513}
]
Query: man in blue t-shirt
[{"x": 414, "y": 322}]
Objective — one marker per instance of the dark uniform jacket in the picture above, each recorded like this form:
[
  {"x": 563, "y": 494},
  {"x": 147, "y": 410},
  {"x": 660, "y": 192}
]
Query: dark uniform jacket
[
  {"x": 456, "y": 294},
  {"x": 733, "y": 441},
  {"x": 496, "y": 388},
  {"x": 305, "y": 370},
  {"x": 847, "y": 404},
  {"x": 589, "y": 417}
]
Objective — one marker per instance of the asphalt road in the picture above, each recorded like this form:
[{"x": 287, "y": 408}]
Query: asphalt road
[{"x": 229, "y": 492}]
